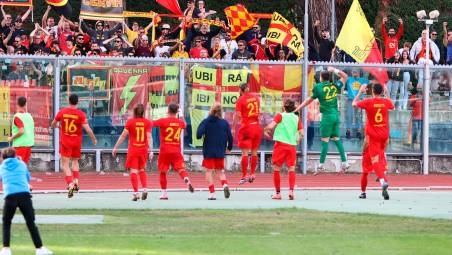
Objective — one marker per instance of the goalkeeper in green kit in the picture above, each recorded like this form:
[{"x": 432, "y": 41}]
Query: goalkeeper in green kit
[{"x": 326, "y": 92}]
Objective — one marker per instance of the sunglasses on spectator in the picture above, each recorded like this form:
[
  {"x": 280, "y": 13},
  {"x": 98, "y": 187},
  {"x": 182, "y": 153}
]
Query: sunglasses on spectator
[
  {"x": 19, "y": 21},
  {"x": 240, "y": 45},
  {"x": 434, "y": 34},
  {"x": 80, "y": 38}
]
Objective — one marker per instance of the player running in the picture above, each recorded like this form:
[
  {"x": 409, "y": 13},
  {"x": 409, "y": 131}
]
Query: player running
[
  {"x": 288, "y": 133},
  {"x": 376, "y": 136},
  {"x": 326, "y": 92},
  {"x": 71, "y": 120},
  {"x": 170, "y": 148},
  {"x": 247, "y": 109},
  {"x": 23, "y": 131},
  {"x": 139, "y": 130},
  {"x": 217, "y": 139}
]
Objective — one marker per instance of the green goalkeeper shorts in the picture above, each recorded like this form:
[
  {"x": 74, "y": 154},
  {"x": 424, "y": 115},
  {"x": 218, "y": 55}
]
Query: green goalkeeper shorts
[{"x": 330, "y": 125}]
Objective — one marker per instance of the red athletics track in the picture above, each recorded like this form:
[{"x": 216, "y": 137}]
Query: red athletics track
[{"x": 117, "y": 181}]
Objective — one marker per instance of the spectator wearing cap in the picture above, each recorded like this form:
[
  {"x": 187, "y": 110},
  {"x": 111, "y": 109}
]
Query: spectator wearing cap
[
  {"x": 167, "y": 34},
  {"x": 242, "y": 53},
  {"x": 195, "y": 52},
  {"x": 69, "y": 47},
  {"x": 447, "y": 42},
  {"x": 38, "y": 37},
  {"x": 326, "y": 46},
  {"x": 143, "y": 49},
  {"x": 202, "y": 12},
  {"x": 99, "y": 34},
  {"x": 133, "y": 33},
  {"x": 48, "y": 23},
  {"x": 228, "y": 45}
]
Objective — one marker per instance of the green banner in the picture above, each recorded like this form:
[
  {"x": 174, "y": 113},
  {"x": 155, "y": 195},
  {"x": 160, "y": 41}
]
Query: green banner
[
  {"x": 197, "y": 116},
  {"x": 228, "y": 99},
  {"x": 234, "y": 77},
  {"x": 201, "y": 97},
  {"x": 204, "y": 76}
]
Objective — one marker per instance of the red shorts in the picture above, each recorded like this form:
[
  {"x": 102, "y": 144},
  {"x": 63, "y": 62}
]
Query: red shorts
[
  {"x": 375, "y": 147},
  {"x": 24, "y": 153},
  {"x": 136, "y": 161},
  {"x": 71, "y": 151},
  {"x": 213, "y": 163},
  {"x": 165, "y": 160},
  {"x": 249, "y": 136},
  {"x": 284, "y": 153}
]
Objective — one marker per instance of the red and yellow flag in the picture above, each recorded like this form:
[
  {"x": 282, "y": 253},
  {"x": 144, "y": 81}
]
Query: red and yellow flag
[
  {"x": 239, "y": 19},
  {"x": 357, "y": 40},
  {"x": 281, "y": 31}
]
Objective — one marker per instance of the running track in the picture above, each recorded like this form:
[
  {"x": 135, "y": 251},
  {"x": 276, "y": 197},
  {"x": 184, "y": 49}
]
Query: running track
[{"x": 93, "y": 181}]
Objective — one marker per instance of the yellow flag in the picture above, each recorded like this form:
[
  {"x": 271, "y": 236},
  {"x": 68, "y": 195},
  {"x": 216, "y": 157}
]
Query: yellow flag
[{"x": 356, "y": 37}]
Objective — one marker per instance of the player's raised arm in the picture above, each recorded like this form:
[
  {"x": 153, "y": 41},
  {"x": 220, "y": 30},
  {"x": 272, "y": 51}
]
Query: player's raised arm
[
  {"x": 304, "y": 104},
  {"x": 357, "y": 98},
  {"x": 343, "y": 76},
  {"x": 90, "y": 133},
  {"x": 121, "y": 139}
]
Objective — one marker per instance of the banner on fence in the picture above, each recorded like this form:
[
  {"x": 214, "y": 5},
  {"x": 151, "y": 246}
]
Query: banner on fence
[
  {"x": 90, "y": 82},
  {"x": 163, "y": 89},
  {"x": 129, "y": 89},
  {"x": 111, "y": 10},
  {"x": 16, "y": 2}
]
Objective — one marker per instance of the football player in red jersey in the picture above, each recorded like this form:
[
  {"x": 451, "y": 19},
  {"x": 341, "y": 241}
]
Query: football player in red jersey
[
  {"x": 71, "y": 120},
  {"x": 170, "y": 148},
  {"x": 376, "y": 135},
  {"x": 139, "y": 130},
  {"x": 247, "y": 110}
]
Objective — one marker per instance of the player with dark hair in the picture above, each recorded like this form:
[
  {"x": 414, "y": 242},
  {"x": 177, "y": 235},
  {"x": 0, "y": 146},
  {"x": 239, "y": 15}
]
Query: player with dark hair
[
  {"x": 247, "y": 110},
  {"x": 288, "y": 133},
  {"x": 23, "y": 131},
  {"x": 170, "y": 148},
  {"x": 71, "y": 120},
  {"x": 376, "y": 136},
  {"x": 139, "y": 130},
  {"x": 326, "y": 92},
  {"x": 217, "y": 140}
]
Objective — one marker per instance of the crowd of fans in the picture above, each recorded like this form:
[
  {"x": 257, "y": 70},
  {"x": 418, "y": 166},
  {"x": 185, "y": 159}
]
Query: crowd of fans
[{"x": 61, "y": 36}]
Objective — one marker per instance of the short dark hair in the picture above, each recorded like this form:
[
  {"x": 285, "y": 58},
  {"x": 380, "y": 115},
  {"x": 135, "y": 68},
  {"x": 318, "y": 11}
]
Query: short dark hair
[
  {"x": 325, "y": 75},
  {"x": 8, "y": 152},
  {"x": 289, "y": 105},
  {"x": 243, "y": 87},
  {"x": 377, "y": 89},
  {"x": 173, "y": 108},
  {"x": 73, "y": 99},
  {"x": 138, "y": 111},
  {"x": 21, "y": 101}
]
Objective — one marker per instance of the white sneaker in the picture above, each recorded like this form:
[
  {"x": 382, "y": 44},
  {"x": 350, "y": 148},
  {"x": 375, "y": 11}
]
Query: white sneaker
[
  {"x": 43, "y": 251},
  {"x": 6, "y": 251}
]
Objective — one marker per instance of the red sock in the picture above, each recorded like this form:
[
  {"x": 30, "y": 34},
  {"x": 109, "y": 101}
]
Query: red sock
[
  {"x": 223, "y": 182},
  {"x": 163, "y": 181},
  {"x": 244, "y": 165},
  {"x": 253, "y": 164},
  {"x": 76, "y": 174},
  {"x": 68, "y": 179},
  {"x": 212, "y": 189},
  {"x": 134, "y": 181},
  {"x": 143, "y": 179},
  {"x": 183, "y": 174},
  {"x": 277, "y": 181},
  {"x": 364, "y": 182},
  {"x": 291, "y": 180}
]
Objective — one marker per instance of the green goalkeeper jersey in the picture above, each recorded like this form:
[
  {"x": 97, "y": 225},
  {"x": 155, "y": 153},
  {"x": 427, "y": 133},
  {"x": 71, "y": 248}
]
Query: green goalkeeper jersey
[{"x": 326, "y": 92}]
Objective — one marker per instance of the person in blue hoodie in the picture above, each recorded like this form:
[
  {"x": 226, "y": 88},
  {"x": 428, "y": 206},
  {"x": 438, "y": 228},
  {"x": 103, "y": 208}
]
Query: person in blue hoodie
[
  {"x": 217, "y": 141},
  {"x": 15, "y": 178}
]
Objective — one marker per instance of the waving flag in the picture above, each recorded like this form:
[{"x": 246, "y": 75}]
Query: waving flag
[
  {"x": 357, "y": 40},
  {"x": 62, "y": 7},
  {"x": 171, "y": 5},
  {"x": 281, "y": 31},
  {"x": 239, "y": 19}
]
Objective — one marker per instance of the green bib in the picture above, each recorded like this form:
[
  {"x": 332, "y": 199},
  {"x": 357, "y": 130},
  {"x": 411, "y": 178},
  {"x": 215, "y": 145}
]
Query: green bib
[
  {"x": 286, "y": 130},
  {"x": 27, "y": 139}
]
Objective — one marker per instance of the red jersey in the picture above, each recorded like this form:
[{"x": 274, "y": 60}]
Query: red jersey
[
  {"x": 249, "y": 108},
  {"x": 138, "y": 139},
  {"x": 170, "y": 132},
  {"x": 71, "y": 121},
  {"x": 377, "y": 116},
  {"x": 416, "y": 103},
  {"x": 391, "y": 43}
]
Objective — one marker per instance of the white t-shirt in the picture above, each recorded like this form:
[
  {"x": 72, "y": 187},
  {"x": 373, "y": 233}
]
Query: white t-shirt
[
  {"x": 229, "y": 46},
  {"x": 158, "y": 51}
]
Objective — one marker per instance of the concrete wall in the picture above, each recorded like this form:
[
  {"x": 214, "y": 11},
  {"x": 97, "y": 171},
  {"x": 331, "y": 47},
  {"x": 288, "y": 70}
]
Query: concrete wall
[{"x": 397, "y": 164}]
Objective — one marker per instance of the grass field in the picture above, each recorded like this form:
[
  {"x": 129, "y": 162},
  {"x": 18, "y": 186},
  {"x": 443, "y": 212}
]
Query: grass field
[{"x": 284, "y": 231}]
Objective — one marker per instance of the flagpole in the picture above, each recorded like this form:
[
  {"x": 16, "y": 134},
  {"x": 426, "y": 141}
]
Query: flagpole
[{"x": 305, "y": 87}]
